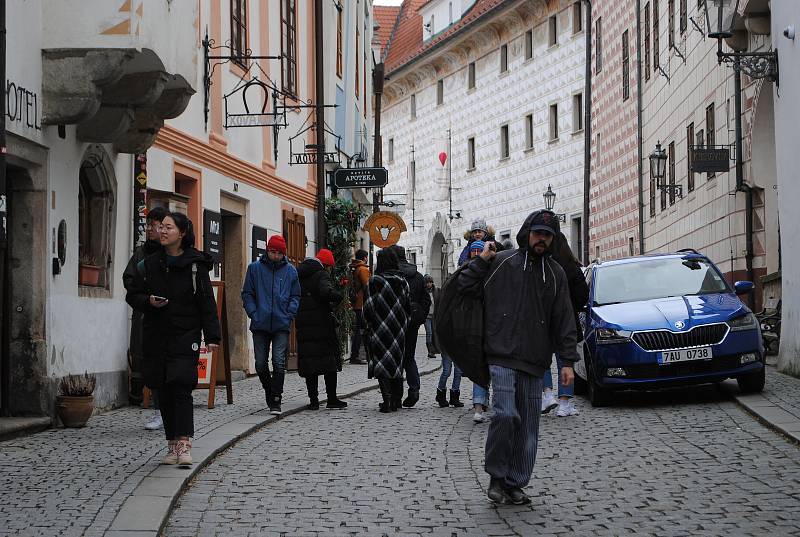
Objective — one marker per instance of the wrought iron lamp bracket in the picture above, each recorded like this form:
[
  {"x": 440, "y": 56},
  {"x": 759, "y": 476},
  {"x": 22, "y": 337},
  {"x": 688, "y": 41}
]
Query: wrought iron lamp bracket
[{"x": 758, "y": 65}]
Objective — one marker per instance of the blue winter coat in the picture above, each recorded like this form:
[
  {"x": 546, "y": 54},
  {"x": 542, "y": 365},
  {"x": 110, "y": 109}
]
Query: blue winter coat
[{"x": 271, "y": 295}]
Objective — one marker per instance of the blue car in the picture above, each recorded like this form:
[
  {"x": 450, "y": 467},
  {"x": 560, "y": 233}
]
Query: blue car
[{"x": 665, "y": 320}]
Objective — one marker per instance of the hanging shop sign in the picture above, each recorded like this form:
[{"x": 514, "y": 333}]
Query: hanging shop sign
[
  {"x": 259, "y": 242},
  {"x": 140, "y": 199},
  {"x": 710, "y": 159},
  {"x": 360, "y": 178},
  {"x": 212, "y": 235},
  {"x": 384, "y": 228}
]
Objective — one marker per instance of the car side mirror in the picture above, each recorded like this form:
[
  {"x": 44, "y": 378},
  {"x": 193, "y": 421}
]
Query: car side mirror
[{"x": 743, "y": 287}]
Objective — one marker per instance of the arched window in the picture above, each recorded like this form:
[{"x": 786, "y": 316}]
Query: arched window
[{"x": 95, "y": 218}]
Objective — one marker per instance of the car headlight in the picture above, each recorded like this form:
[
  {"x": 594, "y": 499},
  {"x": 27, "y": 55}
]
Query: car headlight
[
  {"x": 613, "y": 335},
  {"x": 745, "y": 322}
]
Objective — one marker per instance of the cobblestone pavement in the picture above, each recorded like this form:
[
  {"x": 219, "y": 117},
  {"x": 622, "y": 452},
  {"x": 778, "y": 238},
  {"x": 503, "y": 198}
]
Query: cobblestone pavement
[
  {"x": 73, "y": 481},
  {"x": 680, "y": 462},
  {"x": 783, "y": 391}
]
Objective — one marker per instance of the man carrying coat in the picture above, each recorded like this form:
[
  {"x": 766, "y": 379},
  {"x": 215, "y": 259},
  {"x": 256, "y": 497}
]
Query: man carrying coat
[
  {"x": 528, "y": 316},
  {"x": 271, "y": 296}
]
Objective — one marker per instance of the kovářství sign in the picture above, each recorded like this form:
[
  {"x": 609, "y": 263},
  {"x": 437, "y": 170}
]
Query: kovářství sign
[{"x": 360, "y": 178}]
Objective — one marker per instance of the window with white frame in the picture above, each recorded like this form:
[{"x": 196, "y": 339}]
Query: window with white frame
[
  {"x": 577, "y": 112},
  {"x": 577, "y": 17},
  {"x": 529, "y": 131},
  {"x": 413, "y": 106},
  {"x": 553, "y": 122},
  {"x": 439, "y": 92},
  {"x": 391, "y": 150},
  {"x": 553, "y": 30},
  {"x": 471, "y": 153},
  {"x": 505, "y": 151},
  {"x": 503, "y": 58},
  {"x": 471, "y": 75},
  {"x": 529, "y": 44}
]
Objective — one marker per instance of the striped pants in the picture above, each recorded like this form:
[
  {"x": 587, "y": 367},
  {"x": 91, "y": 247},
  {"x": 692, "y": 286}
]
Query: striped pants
[{"x": 514, "y": 430}]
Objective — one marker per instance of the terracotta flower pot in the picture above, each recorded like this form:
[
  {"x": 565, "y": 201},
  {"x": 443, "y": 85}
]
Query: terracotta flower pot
[
  {"x": 88, "y": 275},
  {"x": 74, "y": 411}
]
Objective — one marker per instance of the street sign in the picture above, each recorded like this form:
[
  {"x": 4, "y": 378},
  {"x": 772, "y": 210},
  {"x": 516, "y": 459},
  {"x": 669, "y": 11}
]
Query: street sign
[
  {"x": 360, "y": 178},
  {"x": 710, "y": 159}
]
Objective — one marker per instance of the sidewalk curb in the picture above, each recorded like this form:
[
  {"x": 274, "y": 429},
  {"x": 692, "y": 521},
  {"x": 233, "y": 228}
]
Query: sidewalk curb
[
  {"x": 766, "y": 413},
  {"x": 145, "y": 511}
]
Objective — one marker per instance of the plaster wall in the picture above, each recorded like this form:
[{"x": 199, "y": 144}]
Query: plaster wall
[{"x": 787, "y": 117}]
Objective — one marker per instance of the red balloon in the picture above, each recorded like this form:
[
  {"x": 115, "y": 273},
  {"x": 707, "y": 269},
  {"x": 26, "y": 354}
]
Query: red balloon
[{"x": 442, "y": 157}]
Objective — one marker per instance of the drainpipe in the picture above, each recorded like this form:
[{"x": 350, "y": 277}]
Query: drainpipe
[
  {"x": 4, "y": 287},
  {"x": 639, "y": 119},
  {"x": 377, "y": 152},
  {"x": 587, "y": 134},
  {"x": 741, "y": 186},
  {"x": 320, "y": 120}
]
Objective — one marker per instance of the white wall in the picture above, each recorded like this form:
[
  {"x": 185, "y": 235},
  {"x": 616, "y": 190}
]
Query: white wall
[{"x": 787, "y": 118}]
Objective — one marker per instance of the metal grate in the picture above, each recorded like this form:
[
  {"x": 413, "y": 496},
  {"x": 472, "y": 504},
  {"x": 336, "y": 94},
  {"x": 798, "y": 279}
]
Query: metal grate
[{"x": 708, "y": 334}]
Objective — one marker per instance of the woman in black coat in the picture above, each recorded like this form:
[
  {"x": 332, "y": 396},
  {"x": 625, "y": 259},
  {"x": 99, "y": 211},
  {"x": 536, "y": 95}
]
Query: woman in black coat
[
  {"x": 317, "y": 344},
  {"x": 173, "y": 289}
]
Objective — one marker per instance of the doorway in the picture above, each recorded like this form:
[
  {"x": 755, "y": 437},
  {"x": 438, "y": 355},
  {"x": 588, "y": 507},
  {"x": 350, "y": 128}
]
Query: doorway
[
  {"x": 234, "y": 264},
  {"x": 437, "y": 264},
  {"x": 294, "y": 231}
]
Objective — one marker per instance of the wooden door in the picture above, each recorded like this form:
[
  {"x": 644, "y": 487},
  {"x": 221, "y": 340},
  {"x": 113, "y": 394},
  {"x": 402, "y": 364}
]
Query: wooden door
[{"x": 294, "y": 231}]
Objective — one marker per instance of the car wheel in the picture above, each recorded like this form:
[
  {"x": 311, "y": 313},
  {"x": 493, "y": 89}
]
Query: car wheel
[
  {"x": 752, "y": 382},
  {"x": 598, "y": 395}
]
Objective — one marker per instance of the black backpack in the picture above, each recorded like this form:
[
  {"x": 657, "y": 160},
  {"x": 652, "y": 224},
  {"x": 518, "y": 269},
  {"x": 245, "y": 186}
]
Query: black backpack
[{"x": 458, "y": 323}]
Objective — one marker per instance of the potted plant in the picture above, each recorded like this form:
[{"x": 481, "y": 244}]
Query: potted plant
[
  {"x": 88, "y": 270},
  {"x": 75, "y": 402}
]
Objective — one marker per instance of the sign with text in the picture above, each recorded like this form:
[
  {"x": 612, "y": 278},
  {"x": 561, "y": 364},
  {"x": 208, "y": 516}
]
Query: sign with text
[
  {"x": 360, "y": 178},
  {"x": 140, "y": 199},
  {"x": 710, "y": 159},
  {"x": 259, "y": 242},
  {"x": 212, "y": 235}
]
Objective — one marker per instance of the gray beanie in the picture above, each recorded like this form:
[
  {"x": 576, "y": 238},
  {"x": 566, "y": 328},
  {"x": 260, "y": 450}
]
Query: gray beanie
[{"x": 479, "y": 224}]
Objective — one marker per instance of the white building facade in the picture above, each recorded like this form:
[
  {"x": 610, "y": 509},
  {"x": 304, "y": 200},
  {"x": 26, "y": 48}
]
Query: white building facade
[{"x": 499, "y": 90}]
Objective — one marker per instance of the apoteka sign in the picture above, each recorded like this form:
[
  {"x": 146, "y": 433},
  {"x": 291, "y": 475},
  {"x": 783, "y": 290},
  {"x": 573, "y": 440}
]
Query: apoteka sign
[
  {"x": 360, "y": 178},
  {"x": 384, "y": 228}
]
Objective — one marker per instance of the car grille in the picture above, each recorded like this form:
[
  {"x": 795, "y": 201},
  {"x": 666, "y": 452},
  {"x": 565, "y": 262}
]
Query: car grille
[
  {"x": 707, "y": 334},
  {"x": 695, "y": 367}
]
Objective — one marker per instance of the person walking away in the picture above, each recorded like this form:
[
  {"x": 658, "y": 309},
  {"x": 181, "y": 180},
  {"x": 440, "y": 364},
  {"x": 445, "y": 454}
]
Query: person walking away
[
  {"x": 429, "y": 335},
  {"x": 151, "y": 245},
  {"x": 359, "y": 277},
  {"x": 173, "y": 289},
  {"x": 387, "y": 314},
  {"x": 479, "y": 231},
  {"x": 271, "y": 297},
  {"x": 528, "y": 316},
  {"x": 447, "y": 363},
  {"x": 420, "y": 304},
  {"x": 579, "y": 295},
  {"x": 317, "y": 343}
]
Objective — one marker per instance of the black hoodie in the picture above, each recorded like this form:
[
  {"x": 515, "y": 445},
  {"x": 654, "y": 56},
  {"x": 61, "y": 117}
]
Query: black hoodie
[
  {"x": 172, "y": 333},
  {"x": 420, "y": 298},
  {"x": 527, "y": 308}
]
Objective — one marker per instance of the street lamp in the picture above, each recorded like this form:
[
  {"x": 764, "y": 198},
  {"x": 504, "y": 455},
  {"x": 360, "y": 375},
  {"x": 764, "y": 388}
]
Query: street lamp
[
  {"x": 550, "y": 200},
  {"x": 658, "y": 171}
]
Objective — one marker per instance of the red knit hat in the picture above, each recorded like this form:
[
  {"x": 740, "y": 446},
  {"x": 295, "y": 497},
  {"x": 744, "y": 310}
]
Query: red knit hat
[
  {"x": 325, "y": 257},
  {"x": 276, "y": 242}
]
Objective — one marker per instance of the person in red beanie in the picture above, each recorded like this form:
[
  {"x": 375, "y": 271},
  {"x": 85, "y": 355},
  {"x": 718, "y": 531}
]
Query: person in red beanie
[
  {"x": 271, "y": 297},
  {"x": 317, "y": 343}
]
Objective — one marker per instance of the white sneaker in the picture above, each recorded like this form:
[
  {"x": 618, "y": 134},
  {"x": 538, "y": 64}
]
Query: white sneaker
[
  {"x": 549, "y": 401},
  {"x": 480, "y": 417},
  {"x": 566, "y": 408},
  {"x": 155, "y": 422}
]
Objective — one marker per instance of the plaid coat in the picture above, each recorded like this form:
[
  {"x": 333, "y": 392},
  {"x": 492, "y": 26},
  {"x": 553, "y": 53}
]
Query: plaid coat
[{"x": 387, "y": 312}]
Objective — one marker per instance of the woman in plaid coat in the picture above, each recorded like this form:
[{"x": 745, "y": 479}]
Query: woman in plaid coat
[{"x": 387, "y": 311}]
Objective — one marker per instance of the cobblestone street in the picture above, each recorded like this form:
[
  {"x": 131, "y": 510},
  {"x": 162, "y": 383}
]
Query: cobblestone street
[{"x": 681, "y": 462}]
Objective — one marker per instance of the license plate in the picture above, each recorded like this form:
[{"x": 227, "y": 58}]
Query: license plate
[{"x": 684, "y": 355}]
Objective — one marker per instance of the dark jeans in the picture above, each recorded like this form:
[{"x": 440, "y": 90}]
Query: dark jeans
[
  {"x": 410, "y": 360},
  {"x": 312, "y": 384},
  {"x": 176, "y": 410},
  {"x": 280, "y": 342},
  {"x": 513, "y": 435},
  {"x": 429, "y": 336},
  {"x": 355, "y": 339}
]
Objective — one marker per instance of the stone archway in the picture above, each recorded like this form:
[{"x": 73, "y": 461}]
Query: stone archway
[{"x": 440, "y": 259}]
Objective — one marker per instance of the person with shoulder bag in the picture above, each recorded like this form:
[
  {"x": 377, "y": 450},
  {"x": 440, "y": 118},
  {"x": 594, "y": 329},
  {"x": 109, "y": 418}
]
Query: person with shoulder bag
[{"x": 173, "y": 289}]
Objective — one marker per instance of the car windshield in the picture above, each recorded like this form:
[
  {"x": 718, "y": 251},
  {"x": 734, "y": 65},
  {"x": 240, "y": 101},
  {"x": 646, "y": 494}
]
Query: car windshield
[{"x": 656, "y": 278}]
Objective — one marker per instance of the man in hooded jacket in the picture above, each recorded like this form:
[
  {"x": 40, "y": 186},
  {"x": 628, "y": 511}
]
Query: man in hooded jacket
[
  {"x": 528, "y": 316},
  {"x": 420, "y": 304}
]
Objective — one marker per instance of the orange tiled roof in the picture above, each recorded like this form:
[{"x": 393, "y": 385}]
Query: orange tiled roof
[
  {"x": 385, "y": 16},
  {"x": 406, "y": 42}
]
